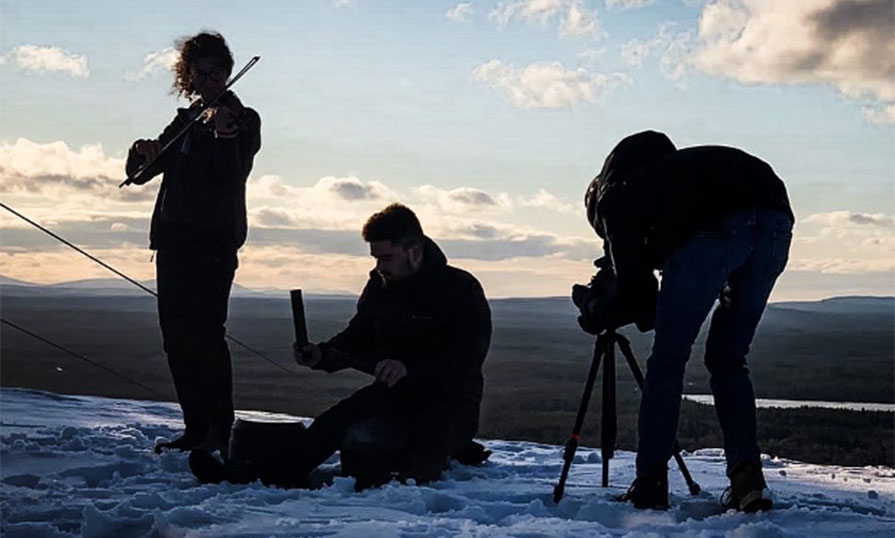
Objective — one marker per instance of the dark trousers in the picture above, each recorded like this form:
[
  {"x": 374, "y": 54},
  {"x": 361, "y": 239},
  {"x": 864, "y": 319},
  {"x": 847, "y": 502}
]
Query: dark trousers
[
  {"x": 738, "y": 266},
  {"x": 377, "y": 421},
  {"x": 193, "y": 293}
]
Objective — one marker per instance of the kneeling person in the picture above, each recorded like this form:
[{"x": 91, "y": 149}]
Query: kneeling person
[{"x": 422, "y": 329}]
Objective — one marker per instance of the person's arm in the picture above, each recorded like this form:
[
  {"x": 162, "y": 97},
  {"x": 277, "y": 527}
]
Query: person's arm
[
  {"x": 624, "y": 221},
  {"x": 237, "y": 140},
  {"x": 143, "y": 149},
  {"x": 353, "y": 346}
]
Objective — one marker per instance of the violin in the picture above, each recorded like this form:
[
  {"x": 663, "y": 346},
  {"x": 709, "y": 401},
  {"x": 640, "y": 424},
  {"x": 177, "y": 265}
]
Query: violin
[
  {"x": 222, "y": 118},
  {"x": 191, "y": 123}
]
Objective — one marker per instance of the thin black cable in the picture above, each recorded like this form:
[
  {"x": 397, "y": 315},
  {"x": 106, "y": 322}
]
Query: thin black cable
[
  {"x": 77, "y": 248},
  {"x": 82, "y": 357},
  {"x": 129, "y": 279}
]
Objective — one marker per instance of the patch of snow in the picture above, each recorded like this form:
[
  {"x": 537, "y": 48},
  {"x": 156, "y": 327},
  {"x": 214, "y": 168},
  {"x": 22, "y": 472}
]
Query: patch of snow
[{"x": 83, "y": 466}]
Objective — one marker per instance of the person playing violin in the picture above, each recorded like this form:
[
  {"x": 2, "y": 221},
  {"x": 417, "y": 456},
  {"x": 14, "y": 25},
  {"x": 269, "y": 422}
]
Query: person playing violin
[{"x": 198, "y": 225}]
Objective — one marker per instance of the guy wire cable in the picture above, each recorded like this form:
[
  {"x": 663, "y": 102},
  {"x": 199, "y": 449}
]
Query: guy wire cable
[
  {"x": 82, "y": 357},
  {"x": 129, "y": 279}
]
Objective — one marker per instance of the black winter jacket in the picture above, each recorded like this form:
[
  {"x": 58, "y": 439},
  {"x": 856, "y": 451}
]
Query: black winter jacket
[
  {"x": 201, "y": 203},
  {"x": 650, "y": 198},
  {"x": 438, "y": 323}
]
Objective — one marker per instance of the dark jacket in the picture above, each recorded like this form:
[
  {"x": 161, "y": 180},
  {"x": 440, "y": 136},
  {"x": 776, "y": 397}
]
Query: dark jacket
[
  {"x": 438, "y": 323},
  {"x": 650, "y": 198},
  {"x": 201, "y": 202}
]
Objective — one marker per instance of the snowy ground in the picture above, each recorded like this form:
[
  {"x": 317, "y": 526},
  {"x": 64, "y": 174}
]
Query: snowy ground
[{"x": 75, "y": 466}]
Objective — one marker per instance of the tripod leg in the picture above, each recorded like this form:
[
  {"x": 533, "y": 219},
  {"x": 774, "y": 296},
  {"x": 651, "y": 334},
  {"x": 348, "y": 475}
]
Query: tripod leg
[
  {"x": 609, "y": 424},
  {"x": 625, "y": 347},
  {"x": 572, "y": 443}
]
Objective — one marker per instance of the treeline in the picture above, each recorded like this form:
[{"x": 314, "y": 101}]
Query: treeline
[
  {"x": 825, "y": 436},
  {"x": 822, "y": 436}
]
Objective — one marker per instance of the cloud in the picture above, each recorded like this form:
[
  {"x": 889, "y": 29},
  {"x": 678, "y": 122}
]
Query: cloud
[
  {"x": 546, "y": 200},
  {"x": 89, "y": 229},
  {"x": 351, "y": 188},
  {"x": 460, "y": 12},
  {"x": 574, "y": 20},
  {"x": 54, "y": 169},
  {"x": 579, "y": 22},
  {"x": 342, "y": 203},
  {"x": 880, "y": 114},
  {"x": 456, "y": 201},
  {"x": 162, "y": 60},
  {"x": 548, "y": 84},
  {"x": 591, "y": 56},
  {"x": 850, "y": 218},
  {"x": 271, "y": 217},
  {"x": 844, "y": 242},
  {"x": 636, "y": 51},
  {"x": 842, "y": 265},
  {"x": 47, "y": 59},
  {"x": 847, "y": 44},
  {"x": 674, "y": 50},
  {"x": 628, "y": 4}
]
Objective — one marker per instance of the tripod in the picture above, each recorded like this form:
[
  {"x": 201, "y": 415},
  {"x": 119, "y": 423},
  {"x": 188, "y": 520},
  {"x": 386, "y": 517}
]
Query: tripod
[{"x": 604, "y": 349}]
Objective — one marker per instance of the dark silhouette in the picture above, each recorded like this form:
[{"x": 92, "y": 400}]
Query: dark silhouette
[
  {"x": 198, "y": 224},
  {"x": 717, "y": 223},
  {"x": 423, "y": 329}
]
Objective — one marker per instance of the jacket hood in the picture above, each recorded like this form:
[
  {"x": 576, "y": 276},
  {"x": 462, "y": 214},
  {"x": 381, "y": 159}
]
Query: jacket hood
[
  {"x": 633, "y": 152},
  {"x": 433, "y": 257}
]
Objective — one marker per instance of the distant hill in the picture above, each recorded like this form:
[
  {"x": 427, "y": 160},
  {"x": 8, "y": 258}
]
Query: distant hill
[
  {"x": 535, "y": 307},
  {"x": 843, "y": 305},
  {"x": 93, "y": 287}
]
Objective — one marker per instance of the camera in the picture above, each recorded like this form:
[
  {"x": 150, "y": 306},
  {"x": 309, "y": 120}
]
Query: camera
[{"x": 596, "y": 300}]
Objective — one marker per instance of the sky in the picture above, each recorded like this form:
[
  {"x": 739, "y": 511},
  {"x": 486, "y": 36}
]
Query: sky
[{"x": 487, "y": 118}]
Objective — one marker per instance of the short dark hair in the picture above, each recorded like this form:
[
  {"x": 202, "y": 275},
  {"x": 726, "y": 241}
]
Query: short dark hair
[
  {"x": 190, "y": 49},
  {"x": 396, "y": 223}
]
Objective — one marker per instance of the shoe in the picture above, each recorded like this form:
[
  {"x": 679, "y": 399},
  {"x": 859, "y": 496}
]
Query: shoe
[
  {"x": 206, "y": 468},
  {"x": 425, "y": 467},
  {"x": 188, "y": 441},
  {"x": 648, "y": 492},
  {"x": 209, "y": 470},
  {"x": 748, "y": 492},
  {"x": 217, "y": 439},
  {"x": 286, "y": 476},
  {"x": 472, "y": 453}
]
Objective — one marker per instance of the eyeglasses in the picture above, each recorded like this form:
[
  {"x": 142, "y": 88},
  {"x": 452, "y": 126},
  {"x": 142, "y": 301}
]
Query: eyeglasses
[{"x": 218, "y": 73}]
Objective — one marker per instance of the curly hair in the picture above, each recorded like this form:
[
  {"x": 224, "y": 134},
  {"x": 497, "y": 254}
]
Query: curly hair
[
  {"x": 190, "y": 49},
  {"x": 396, "y": 223}
]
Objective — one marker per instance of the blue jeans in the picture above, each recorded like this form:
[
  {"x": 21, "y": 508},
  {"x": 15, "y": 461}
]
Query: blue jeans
[{"x": 737, "y": 264}]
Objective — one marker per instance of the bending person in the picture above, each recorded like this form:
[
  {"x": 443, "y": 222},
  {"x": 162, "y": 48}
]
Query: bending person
[
  {"x": 198, "y": 224},
  {"x": 717, "y": 223}
]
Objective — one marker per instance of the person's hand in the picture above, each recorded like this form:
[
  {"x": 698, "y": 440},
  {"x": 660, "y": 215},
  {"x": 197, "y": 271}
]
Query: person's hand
[
  {"x": 224, "y": 122},
  {"x": 148, "y": 149},
  {"x": 309, "y": 355},
  {"x": 390, "y": 371}
]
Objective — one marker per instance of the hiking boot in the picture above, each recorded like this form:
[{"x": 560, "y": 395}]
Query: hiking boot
[
  {"x": 206, "y": 468},
  {"x": 748, "y": 492},
  {"x": 210, "y": 470},
  {"x": 217, "y": 439},
  {"x": 648, "y": 492},
  {"x": 188, "y": 441}
]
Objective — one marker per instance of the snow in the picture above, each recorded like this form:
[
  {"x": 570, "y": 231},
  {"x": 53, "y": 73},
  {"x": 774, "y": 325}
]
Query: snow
[
  {"x": 761, "y": 403},
  {"x": 83, "y": 466}
]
